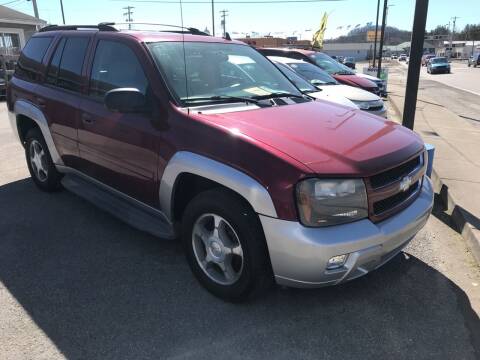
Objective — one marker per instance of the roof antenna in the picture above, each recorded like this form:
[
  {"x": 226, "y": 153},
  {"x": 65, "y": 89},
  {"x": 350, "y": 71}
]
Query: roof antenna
[
  {"x": 184, "y": 55},
  {"x": 227, "y": 37}
]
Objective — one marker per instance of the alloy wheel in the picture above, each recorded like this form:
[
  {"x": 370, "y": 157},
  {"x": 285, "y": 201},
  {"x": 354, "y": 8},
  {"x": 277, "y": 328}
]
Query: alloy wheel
[
  {"x": 217, "y": 249},
  {"x": 38, "y": 160}
]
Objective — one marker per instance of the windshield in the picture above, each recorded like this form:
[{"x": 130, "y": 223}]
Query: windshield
[
  {"x": 329, "y": 65},
  {"x": 313, "y": 73},
  {"x": 216, "y": 70},
  {"x": 299, "y": 82},
  {"x": 439, "y": 60}
]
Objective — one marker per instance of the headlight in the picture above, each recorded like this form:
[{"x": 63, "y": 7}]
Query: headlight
[
  {"x": 324, "y": 202},
  {"x": 364, "y": 105}
]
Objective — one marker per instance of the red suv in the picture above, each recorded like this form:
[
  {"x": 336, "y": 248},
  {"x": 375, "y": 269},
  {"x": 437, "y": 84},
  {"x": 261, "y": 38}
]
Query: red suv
[
  {"x": 260, "y": 182},
  {"x": 340, "y": 72}
]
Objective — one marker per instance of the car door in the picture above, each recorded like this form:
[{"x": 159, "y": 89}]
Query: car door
[
  {"x": 59, "y": 94},
  {"x": 118, "y": 149}
]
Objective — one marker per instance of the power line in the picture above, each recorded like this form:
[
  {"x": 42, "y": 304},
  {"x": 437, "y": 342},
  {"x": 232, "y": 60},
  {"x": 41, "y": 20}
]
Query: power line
[{"x": 10, "y": 2}]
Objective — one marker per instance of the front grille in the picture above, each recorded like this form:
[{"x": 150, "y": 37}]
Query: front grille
[
  {"x": 394, "y": 174},
  {"x": 389, "y": 203}
]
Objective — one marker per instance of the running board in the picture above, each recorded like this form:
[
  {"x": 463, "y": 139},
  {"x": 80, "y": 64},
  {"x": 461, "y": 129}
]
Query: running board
[{"x": 134, "y": 213}]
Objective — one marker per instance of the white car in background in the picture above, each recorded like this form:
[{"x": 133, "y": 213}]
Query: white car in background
[
  {"x": 329, "y": 87},
  {"x": 246, "y": 65}
]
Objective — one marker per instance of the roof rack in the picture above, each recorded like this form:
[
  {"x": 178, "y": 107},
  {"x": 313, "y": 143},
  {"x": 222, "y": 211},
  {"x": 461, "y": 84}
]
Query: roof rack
[
  {"x": 184, "y": 30},
  {"x": 105, "y": 26},
  {"x": 110, "y": 26}
]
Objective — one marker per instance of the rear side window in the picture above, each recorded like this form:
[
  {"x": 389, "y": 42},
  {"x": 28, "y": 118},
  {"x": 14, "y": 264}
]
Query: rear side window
[
  {"x": 30, "y": 61},
  {"x": 65, "y": 68},
  {"x": 115, "y": 65}
]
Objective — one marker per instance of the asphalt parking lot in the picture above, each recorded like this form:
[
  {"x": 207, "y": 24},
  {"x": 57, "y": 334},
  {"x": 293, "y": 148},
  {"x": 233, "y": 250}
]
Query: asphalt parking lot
[{"x": 76, "y": 283}]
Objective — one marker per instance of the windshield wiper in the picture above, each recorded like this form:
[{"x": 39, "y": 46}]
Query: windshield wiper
[
  {"x": 222, "y": 98},
  {"x": 343, "y": 73},
  {"x": 278, "y": 95}
]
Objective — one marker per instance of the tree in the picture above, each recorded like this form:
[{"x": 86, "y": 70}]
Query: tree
[
  {"x": 470, "y": 32},
  {"x": 439, "y": 30}
]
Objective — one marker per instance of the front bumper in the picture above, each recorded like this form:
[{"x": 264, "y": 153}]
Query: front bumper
[
  {"x": 436, "y": 70},
  {"x": 299, "y": 254}
]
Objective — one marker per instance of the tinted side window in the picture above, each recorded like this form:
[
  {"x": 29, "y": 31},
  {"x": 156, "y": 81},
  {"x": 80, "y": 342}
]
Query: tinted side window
[
  {"x": 70, "y": 70},
  {"x": 29, "y": 63},
  {"x": 52, "y": 72},
  {"x": 115, "y": 65}
]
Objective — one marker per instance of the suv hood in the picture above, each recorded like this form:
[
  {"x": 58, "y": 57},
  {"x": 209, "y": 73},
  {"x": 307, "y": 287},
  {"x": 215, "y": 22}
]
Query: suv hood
[{"x": 328, "y": 139}]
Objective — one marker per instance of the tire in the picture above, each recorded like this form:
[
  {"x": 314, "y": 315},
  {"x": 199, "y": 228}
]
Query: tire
[
  {"x": 39, "y": 162},
  {"x": 237, "y": 226}
]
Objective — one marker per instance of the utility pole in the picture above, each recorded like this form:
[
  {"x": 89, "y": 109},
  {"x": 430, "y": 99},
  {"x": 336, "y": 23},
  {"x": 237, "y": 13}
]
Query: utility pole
[
  {"x": 35, "y": 8},
  {"x": 63, "y": 14},
  {"x": 416, "y": 52},
  {"x": 454, "y": 20},
  {"x": 223, "y": 16},
  {"x": 213, "y": 18},
  {"x": 376, "y": 31},
  {"x": 382, "y": 37},
  {"x": 128, "y": 14}
]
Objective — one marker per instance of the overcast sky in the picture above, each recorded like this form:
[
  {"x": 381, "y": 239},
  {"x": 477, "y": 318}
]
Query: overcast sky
[{"x": 277, "y": 19}]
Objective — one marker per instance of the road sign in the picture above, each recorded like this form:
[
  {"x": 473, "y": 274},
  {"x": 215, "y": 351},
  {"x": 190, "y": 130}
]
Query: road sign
[{"x": 371, "y": 35}]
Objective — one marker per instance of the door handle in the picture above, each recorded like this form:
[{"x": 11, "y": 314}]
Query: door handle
[{"x": 87, "y": 119}]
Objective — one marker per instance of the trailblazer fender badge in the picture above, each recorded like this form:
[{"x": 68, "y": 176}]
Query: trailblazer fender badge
[{"x": 405, "y": 183}]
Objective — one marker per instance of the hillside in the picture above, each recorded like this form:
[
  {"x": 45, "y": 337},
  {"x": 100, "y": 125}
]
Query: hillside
[{"x": 393, "y": 35}]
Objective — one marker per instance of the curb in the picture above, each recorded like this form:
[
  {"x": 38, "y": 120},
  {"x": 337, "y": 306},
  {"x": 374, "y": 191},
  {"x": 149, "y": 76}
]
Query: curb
[{"x": 460, "y": 217}]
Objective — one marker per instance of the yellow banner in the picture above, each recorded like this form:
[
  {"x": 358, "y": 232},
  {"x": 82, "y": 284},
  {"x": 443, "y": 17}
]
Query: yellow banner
[{"x": 317, "y": 41}]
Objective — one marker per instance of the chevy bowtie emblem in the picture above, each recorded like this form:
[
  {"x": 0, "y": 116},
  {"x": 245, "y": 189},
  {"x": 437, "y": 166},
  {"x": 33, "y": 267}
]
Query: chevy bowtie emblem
[{"x": 405, "y": 183}]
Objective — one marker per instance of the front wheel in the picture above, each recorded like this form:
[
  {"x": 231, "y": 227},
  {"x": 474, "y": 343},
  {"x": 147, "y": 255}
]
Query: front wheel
[
  {"x": 225, "y": 246},
  {"x": 39, "y": 162}
]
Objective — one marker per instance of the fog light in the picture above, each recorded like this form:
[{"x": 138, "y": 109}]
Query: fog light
[{"x": 336, "y": 262}]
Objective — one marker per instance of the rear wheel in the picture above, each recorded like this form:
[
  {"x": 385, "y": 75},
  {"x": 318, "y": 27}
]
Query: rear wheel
[
  {"x": 225, "y": 246},
  {"x": 39, "y": 162}
]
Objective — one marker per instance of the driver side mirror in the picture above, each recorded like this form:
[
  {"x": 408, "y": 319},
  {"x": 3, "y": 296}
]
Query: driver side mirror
[{"x": 125, "y": 100}]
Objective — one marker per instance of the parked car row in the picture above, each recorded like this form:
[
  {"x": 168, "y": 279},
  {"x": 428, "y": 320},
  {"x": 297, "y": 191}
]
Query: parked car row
[
  {"x": 205, "y": 140},
  {"x": 315, "y": 67},
  {"x": 330, "y": 89}
]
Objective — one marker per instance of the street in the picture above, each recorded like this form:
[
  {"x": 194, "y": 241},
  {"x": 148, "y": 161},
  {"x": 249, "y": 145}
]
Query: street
[
  {"x": 76, "y": 283},
  {"x": 459, "y": 91}
]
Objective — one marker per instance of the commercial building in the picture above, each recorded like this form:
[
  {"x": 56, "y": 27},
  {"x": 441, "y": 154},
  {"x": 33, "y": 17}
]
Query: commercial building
[
  {"x": 459, "y": 49},
  {"x": 270, "y": 41},
  {"x": 359, "y": 51}
]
